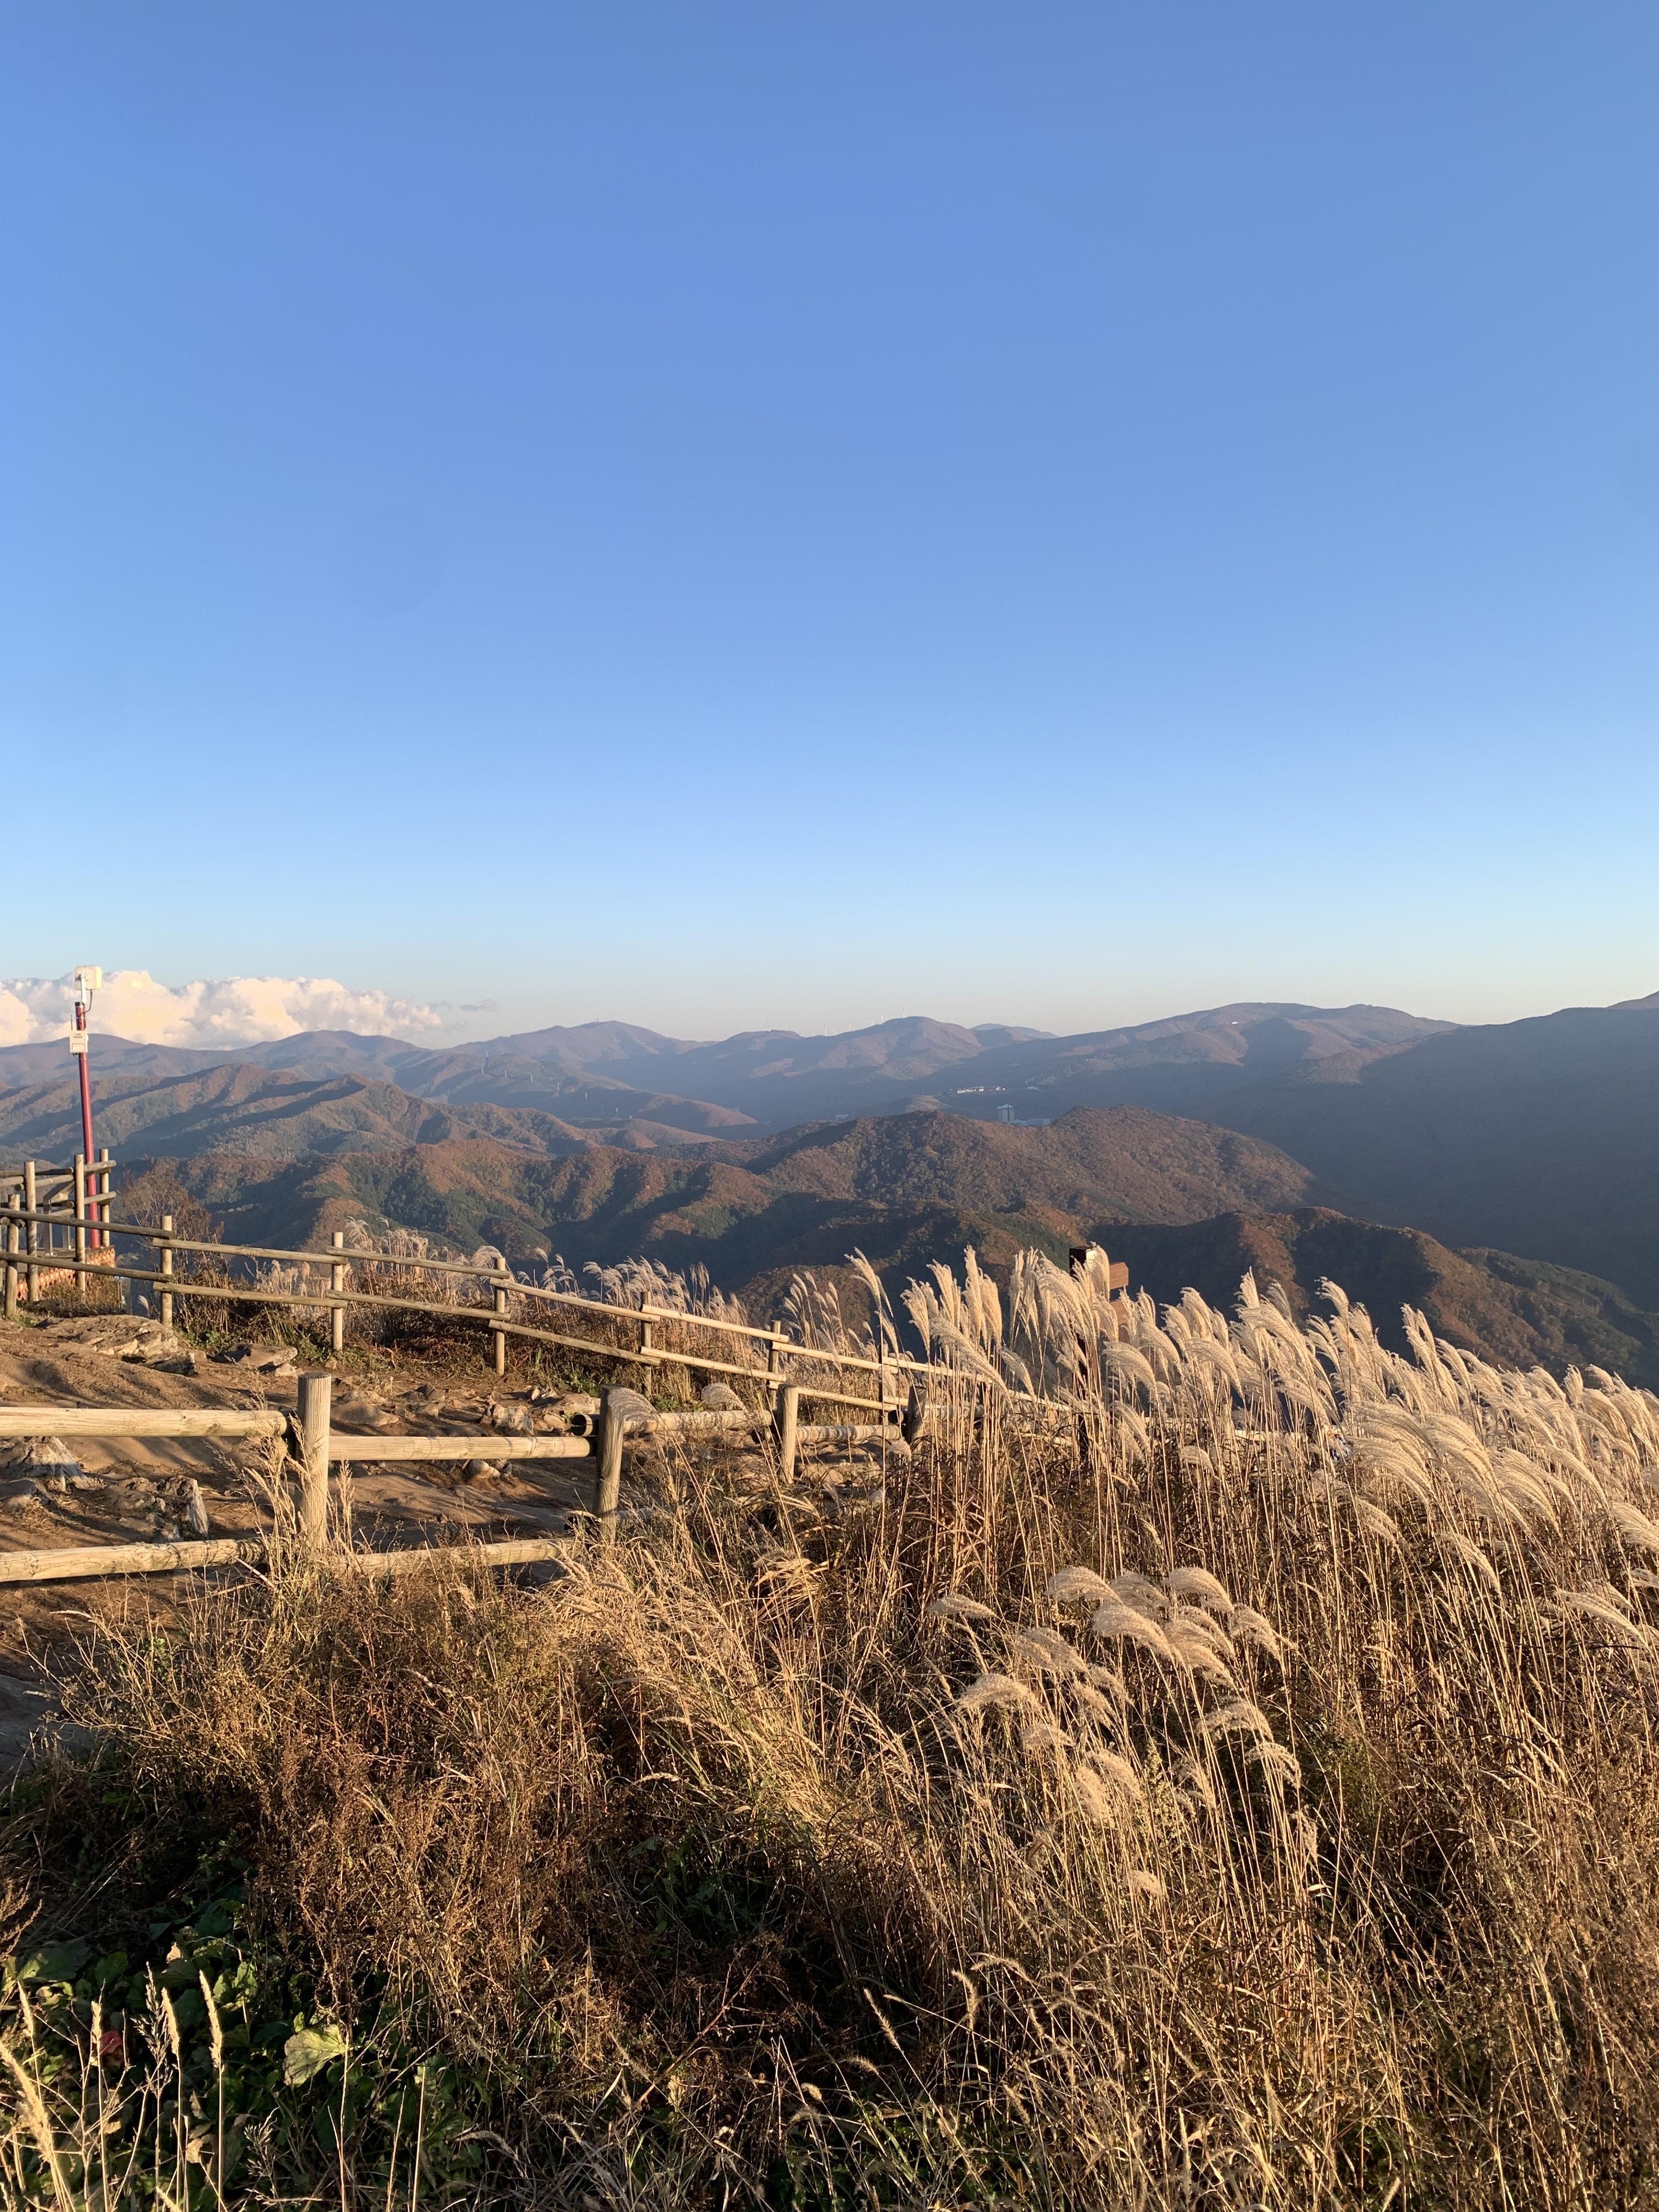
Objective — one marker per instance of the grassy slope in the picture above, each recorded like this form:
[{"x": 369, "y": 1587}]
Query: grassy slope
[{"x": 1123, "y": 1160}]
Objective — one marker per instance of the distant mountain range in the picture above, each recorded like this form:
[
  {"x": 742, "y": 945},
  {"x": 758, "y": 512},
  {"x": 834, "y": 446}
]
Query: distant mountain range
[
  {"x": 603, "y": 1075},
  {"x": 770, "y": 1150}
]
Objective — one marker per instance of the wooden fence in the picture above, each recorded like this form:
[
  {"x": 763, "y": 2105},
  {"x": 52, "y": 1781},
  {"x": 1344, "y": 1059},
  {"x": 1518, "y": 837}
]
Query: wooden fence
[
  {"x": 509, "y": 1309},
  {"x": 783, "y": 1371},
  {"x": 315, "y": 1445},
  {"x": 71, "y": 1204}
]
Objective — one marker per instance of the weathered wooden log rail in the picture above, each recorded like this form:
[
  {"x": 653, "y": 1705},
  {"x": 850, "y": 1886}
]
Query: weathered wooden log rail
[
  {"x": 336, "y": 1296},
  {"x": 313, "y": 1445}
]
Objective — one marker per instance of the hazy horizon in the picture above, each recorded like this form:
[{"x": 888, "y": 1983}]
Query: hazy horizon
[{"x": 232, "y": 1012}]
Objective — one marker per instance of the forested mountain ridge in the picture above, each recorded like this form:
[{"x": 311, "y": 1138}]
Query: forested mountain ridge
[{"x": 1537, "y": 1137}]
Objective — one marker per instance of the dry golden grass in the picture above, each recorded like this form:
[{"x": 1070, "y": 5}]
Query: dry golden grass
[{"x": 1217, "y": 1770}]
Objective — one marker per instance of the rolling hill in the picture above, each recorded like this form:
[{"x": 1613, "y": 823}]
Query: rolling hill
[
  {"x": 1181, "y": 1202},
  {"x": 1120, "y": 1164},
  {"x": 905, "y": 1188},
  {"x": 240, "y": 1108}
]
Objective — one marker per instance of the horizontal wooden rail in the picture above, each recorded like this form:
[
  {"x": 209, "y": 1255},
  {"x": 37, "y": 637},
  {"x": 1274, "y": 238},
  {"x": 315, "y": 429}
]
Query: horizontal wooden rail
[
  {"x": 655, "y": 1313},
  {"x": 84, "y": 1562},
  {"x": 139, "y": 1421},
  {"x": 651, "y": 1356},
  {"x": 496, "y": 1278},
  {"x": 898, "y": 1363},
  {"x": 332, "y": 1258},
  {"x": 184, "y": 1286},
  {"x": 144, "y": 1232},
  {"x": 631, "y": 1355},
  {"x": 181, "y": 1286},
  {"x": 706, "y": 1420},
  {"x": 188, "y": 1287},
  {"x": 192, "y": 1287},
  {"x": 457, "y": 1447}
]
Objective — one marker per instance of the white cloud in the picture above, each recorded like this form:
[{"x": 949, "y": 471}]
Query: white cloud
[{"x": 228, "y": 1011}]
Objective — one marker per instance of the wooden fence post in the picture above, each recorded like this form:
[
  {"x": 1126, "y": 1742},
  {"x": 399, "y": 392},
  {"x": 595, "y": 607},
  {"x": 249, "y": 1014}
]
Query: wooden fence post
[
  {"x": 316, "y": 1391},
  {"x": 607, "y": 1488},
  {"x": 500, "y": 1334},
  {"x": 80, "y": 1226},
  {"x": 100, "y": 1236},
  {"x": 32, "y": 1231},
  {"x": 336, "y": 1314},
  {"x": 165, "y": 1299},
  {"x": 787, "y": 1429},
  {"x": 11, "y": 1256}
]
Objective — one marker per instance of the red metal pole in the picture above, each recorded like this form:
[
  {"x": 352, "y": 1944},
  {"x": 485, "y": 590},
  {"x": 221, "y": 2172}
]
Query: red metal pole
[{"x": 96, "y": 1237}]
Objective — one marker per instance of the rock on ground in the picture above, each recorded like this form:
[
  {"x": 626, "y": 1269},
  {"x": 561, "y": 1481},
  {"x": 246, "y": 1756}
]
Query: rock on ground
[{"x": 119, "y": 1336}]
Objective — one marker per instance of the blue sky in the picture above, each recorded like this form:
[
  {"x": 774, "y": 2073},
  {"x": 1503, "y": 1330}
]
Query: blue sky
[{"x": 793, "y": 514}]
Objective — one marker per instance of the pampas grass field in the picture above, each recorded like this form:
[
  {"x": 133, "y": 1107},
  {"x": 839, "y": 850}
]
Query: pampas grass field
[{"x": 1215, "y": 1768}]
